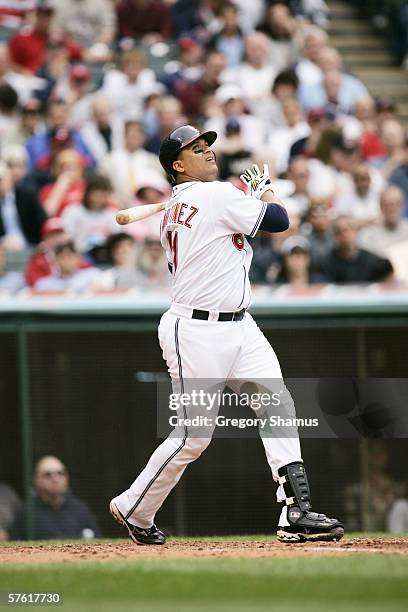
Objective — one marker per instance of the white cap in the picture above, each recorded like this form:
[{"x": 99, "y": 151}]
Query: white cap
[{"x": 227, "y": 92}]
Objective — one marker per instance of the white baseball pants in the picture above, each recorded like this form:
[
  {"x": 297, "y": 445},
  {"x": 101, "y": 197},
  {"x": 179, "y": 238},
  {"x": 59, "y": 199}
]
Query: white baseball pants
[{"x": 212, "y": 350}]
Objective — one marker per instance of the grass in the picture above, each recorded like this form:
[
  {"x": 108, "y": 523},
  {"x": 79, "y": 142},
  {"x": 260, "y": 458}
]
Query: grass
[{"x": 364, "y": 582}]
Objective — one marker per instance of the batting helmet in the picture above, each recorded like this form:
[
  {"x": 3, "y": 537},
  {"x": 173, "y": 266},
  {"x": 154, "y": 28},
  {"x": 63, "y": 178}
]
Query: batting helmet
[{"x": 176, "y": 141}]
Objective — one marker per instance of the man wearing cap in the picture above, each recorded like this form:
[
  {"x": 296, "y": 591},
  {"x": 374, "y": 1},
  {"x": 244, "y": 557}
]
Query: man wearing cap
[
  {"x": 42, "y": 262},
  {"x": 231, "y": 100},
  {"x": 208, "y": 338}
]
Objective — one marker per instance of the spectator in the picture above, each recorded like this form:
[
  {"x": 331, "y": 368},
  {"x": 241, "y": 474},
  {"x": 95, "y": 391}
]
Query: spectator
[
  {"x": 187, "y": 69},
  {"x": 196, "y": 95},
  {"x": 299, "y": 174},
  {"x": 151, "y": 266},
  {"x": 42, "y": 147},
  {"x": 308, "y": 70},
  {"x": 103, "y": 132},
  {"x": 256, "y": 74},
  {"x": 15, "y": 156},
  {"x": 152, "y": 188},
  {"x": 122, "y": 254},
  {"x": 362, "y": 199},
  {"x": 233, "y": 156},
  {"x": 91, "y": 23},
  {"x": 126, "y": 166},
  {"x": 8, "y": 109},
  {"x": 344, "y": 88},
  {"x": 21, "y": 215},
  {"x": 231, "y": 102},
  {"x": 371, "y": 146},
  {"x": 347, "y": 263},
  {"x": 399, "y": 176},
  {"x": 12, "y": 281},
  {"x": 183, "y": 82},
  {"x": 270, "y": 109},
  {"x": 168, "y": 117},
  {"x": 54, "y": 68},
  {"x": 68, "y": 274},
  {"x": 229, "y": 40},
  {"x": 393, "y": 228},
  {"x": 57, "y": 513},
  {"x": 144, "y": 20},
  {"x": 74, "y": 89},
  {"x": 28, "y": 125},
  {"x": 397, "y": 517},
  {"x": 296, "y": 269},
  {"x": 10, "y": 504},
  {"x": 266, "y": 262},
  {"x": 186, "y": 16},
  {"x": 42, "y": 261},
  {"x": 317, "y": 230},
  {"x": 22, "y": 84},
  {"x": 379, "y": 492},
  {"x": 393, "y": 137},
  {"x": 67, "y": 185},
  {"x": 90, "y": 222},
  {"x": 283, "y": 137},
  {"x": 27, "y": 48},
  {"x": 284, "y": 33},
  {"x": 126, "y": 85}
]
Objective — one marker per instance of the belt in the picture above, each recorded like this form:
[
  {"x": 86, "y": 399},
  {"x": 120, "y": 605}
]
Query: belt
[{"x": 204, "y": 315}]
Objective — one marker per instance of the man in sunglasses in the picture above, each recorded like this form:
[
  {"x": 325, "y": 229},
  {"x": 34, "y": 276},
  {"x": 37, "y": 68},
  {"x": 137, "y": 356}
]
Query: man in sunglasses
[{"x": 57, "y": 513}]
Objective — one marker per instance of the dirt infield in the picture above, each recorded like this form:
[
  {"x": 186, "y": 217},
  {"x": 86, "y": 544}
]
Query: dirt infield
[{"x": 102, "y": 551}]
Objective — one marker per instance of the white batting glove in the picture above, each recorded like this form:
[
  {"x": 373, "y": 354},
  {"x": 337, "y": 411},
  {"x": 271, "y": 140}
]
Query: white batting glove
[{"x": 258, "y": 181}]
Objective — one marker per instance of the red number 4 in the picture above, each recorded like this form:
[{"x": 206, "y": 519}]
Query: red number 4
[{"x": 173, "y": 243}]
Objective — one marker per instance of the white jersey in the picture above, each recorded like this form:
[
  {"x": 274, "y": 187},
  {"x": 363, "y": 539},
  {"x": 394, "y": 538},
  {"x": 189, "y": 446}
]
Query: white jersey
[{"x": 203, "y": 232}]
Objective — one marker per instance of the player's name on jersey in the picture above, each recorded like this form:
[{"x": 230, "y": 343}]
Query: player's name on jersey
[
  {"x": 241, "y": 423},
  {"x": 180, "y": 214}
]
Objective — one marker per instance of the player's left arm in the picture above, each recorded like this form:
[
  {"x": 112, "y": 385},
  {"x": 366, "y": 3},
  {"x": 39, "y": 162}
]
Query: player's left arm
[{"x": 275, "y": 217}]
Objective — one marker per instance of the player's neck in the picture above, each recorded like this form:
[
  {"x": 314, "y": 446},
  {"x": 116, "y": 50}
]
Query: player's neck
[{"x": 189, "y": 179}]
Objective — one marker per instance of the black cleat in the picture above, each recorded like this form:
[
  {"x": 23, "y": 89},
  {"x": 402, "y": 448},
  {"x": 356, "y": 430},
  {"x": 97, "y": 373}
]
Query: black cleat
[
  {"x": 309, "y": 527},
  {"x": 152, "y": 535}
]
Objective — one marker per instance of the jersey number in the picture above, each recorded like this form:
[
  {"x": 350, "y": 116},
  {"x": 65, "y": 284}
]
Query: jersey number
[{"x": 173, "y": 244}]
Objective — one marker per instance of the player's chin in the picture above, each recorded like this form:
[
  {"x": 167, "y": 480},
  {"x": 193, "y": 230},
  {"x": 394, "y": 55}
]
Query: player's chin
[{"x": 212, "y": 171}]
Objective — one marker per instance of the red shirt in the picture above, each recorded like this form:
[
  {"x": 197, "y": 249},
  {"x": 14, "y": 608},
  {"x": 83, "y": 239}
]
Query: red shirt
[
  {"x": 73, "y": 195},
  {"x": 41, "y": 263},
  {"x": 27, "y": 49}
]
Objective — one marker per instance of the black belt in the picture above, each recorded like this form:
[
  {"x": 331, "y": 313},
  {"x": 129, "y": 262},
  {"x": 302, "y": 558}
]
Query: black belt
[{"x": 204, "y": 315}]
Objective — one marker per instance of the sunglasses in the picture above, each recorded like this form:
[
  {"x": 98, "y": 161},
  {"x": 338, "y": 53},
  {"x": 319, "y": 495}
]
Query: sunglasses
[{"x": 54, "y": 473}]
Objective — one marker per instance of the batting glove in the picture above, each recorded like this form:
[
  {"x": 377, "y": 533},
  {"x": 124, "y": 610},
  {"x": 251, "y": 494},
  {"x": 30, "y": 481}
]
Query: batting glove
[{"x": 258, "y": 181}]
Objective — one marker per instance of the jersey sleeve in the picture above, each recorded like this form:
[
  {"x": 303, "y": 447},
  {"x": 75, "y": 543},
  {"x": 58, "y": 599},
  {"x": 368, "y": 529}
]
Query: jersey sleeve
[{"x": 237, "y": 212}]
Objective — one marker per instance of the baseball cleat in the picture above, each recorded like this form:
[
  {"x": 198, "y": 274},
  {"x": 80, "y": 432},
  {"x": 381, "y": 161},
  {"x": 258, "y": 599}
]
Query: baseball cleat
[
  {"x": 152, "y": 535},
  {"x": 309, "y": 527}
]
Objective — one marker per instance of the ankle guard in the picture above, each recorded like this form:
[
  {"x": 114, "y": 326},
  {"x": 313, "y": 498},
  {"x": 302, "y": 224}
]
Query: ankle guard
[{"x": 294, "y": 481}]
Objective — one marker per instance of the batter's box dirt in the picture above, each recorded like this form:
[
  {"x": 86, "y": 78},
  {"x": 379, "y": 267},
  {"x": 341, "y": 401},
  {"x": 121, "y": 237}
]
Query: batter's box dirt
[{"x": 189, "y": 549}]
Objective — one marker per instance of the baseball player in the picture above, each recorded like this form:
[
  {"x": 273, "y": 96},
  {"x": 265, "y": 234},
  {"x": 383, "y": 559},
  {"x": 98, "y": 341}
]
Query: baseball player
[{"x": 208, "y": 334}]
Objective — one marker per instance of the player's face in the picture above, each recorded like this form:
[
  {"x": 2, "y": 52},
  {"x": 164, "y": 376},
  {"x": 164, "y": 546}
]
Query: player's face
[{"x": 197, "y": 161}]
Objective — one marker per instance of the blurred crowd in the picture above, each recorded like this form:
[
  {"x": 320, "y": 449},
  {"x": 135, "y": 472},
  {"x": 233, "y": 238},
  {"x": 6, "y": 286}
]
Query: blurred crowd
[{"x": 88, "y": 88}]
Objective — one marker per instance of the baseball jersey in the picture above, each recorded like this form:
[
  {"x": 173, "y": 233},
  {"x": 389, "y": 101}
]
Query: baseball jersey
[{"x": 203, "y": 231}]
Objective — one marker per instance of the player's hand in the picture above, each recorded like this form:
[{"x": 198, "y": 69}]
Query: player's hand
[{"x": 258, "y": 181}]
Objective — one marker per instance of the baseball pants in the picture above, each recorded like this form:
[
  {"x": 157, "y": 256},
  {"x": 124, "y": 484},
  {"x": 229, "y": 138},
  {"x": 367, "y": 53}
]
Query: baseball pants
[{"x": 217, "y": 351}]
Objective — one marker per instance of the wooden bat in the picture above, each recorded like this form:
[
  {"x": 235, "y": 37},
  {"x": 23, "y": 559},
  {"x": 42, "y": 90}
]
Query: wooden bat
[{"x": 136, "y": 213}]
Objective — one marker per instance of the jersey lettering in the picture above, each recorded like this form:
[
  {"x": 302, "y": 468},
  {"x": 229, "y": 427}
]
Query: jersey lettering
[
  {"x": 176, "y": 215},
  {"x": 172, "y": 237}
]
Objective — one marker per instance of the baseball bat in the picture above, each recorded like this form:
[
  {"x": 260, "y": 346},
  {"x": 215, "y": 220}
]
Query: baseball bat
[{"x": 136, "y": 213}]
